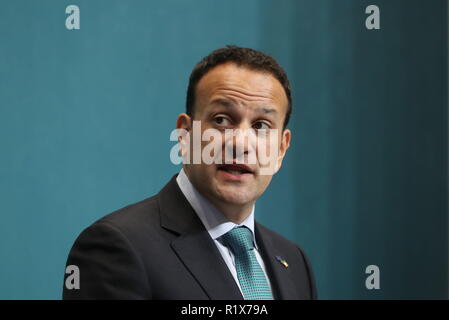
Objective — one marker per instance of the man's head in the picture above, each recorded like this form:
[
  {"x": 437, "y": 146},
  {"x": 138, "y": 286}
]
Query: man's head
[
  {"x": 236, "y": 88},
  {"x": 242, "y": 57}
]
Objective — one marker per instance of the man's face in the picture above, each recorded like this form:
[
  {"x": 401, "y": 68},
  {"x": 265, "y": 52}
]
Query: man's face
[{"x": 234, "y": 97}]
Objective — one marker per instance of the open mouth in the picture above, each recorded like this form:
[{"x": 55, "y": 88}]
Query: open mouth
[{"x": 235, "y": 169}]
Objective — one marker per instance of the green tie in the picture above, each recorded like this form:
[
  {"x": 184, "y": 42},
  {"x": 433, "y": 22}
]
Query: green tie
[{"x": 251, "y": 277}]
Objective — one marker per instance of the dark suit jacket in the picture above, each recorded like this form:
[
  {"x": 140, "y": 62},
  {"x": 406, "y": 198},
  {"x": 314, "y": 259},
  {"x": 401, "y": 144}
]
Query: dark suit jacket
[{"x": 159, "y": 249}]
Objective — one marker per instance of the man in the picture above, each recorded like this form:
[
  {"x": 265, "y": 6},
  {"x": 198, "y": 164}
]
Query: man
[{"x": 197, "y": 238}]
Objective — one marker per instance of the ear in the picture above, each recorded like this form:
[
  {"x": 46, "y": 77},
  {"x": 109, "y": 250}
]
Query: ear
[
  {"x": 184, "y": 122},
  {"x": 184, "y": 125},
  {"x": 285, "y": 144}
]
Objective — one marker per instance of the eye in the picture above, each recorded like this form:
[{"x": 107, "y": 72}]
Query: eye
[
  {"x": 260, "y": 125},
  {"x": 222, "y": 121}
]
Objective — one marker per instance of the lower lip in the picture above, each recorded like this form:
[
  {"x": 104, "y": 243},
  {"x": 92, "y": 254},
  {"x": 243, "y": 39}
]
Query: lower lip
[{"x": 234, "y": 177}]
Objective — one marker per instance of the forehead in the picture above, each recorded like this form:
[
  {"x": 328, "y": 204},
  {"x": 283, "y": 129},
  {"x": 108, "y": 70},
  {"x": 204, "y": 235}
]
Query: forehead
[{"x": 241, "y": 84}]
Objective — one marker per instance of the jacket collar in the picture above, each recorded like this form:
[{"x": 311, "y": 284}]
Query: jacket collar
[
  {"x": 196, "y": 249},
  {"x": 194, "y": 246}
]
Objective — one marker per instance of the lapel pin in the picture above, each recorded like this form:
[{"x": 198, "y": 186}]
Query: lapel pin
[{"x": 282, "y": 261}]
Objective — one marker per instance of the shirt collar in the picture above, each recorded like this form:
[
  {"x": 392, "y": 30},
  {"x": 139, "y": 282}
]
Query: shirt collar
[{"x": 213, "y": 220}]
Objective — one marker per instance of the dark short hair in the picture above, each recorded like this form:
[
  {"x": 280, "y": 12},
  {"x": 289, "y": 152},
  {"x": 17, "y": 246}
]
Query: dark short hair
[{"x": 246, "y": 57}]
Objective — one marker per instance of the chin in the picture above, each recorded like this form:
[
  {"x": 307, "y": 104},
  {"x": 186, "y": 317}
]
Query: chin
[{"x": 236, "y": 197}]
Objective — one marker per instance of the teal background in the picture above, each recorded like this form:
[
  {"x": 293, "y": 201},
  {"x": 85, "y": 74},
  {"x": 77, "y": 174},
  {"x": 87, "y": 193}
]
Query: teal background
[{"x": 85, "y": 119}]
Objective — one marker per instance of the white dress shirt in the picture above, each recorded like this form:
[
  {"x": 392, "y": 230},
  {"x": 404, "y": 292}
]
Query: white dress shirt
[{"x": 217, "y": 224}]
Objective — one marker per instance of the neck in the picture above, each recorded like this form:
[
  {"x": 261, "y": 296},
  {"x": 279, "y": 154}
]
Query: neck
[{"x": 235, "y": 213}]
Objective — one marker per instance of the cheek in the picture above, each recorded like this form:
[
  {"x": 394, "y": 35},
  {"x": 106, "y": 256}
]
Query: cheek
[
  {"x": 212, "y": 147},
  {"x": 268, "y": 150}
]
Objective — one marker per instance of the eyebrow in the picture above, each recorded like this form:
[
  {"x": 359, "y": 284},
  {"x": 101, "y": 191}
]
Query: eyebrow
[{"x": 229, "y": 104}]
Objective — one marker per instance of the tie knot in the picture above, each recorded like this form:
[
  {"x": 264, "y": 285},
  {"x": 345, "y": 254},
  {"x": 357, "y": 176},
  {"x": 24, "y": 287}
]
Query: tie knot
[{"x": 239, "y": 240}]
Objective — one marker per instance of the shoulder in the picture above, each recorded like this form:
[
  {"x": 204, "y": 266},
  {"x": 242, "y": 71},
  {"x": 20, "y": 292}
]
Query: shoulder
[
  {"x": 279, "y": 241},
  {"x": 111, "y": 248},
  {"x": 275, "y": 237},
  {"x": 138, "y": 224},
  {"x": 128, "y": 225},
  {"x": 126, "y": 219}
]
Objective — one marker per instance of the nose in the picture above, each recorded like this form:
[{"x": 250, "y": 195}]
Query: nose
[{"x": 240, "y": 144}]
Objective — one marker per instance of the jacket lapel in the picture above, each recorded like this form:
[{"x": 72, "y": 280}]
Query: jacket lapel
[
  {"x": 282, "y": 286},
  {"x": 194, "y": 246}
]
